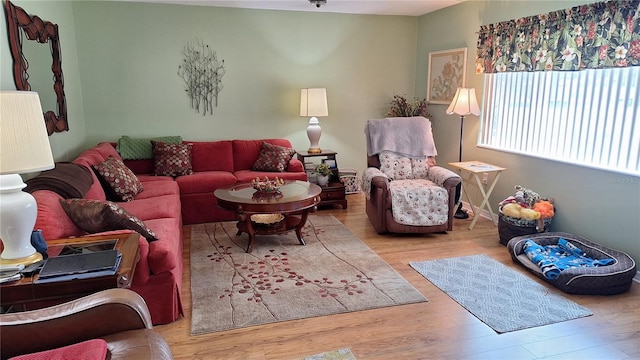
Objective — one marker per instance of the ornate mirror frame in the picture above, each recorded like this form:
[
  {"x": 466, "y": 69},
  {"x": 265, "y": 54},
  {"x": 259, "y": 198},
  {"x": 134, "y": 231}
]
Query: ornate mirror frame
[{"x": 20, "y": 23}]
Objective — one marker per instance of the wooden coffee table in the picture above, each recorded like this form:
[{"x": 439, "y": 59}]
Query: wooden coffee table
[
  {"x": 272, "y": 213},
  {"x": 27, "y": 294}
]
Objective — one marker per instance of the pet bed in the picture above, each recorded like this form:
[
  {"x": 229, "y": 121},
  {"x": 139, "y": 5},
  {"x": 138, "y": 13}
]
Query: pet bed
[{"x": 601, "y": 280}]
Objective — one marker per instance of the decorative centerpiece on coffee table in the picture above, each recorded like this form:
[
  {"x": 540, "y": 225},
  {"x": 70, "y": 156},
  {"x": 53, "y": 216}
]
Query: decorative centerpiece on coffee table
[{"x": 267, "y": 185}]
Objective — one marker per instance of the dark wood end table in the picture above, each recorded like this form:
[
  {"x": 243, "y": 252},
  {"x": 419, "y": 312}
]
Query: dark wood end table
[
  {"x": 334, "y": 192},
  {"x": 29, "y": 295},
  {"x": 294, "y": 198}
]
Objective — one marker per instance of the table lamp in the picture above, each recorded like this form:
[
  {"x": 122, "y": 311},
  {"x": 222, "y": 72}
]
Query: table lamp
[
  {"x": 24, "y": 148},
  {"x": 313, "y": 102},
  {"x": 464, "y": 103}
]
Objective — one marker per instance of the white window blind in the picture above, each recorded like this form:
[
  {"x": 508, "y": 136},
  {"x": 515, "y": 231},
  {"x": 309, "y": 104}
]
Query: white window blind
[{"x": 588, "y": 117}]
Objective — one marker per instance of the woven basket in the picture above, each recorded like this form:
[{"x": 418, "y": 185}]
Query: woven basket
[
  {"x": 349, "y": 177},
  {"x": 510, "y": 227}
]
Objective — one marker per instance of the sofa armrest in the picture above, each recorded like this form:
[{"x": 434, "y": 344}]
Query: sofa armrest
[
  {"x": 103, "y": 313},
  {"x": 443, "y": 177},
  {"x": 295, "y": 165}
]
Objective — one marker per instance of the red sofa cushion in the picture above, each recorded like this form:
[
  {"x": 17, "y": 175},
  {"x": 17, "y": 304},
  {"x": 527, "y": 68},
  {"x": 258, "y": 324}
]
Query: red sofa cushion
[
  {"x": 106, "y": 149},
  {"x": 212, "y": 156},
  {"x": 246, "y": 152},
  {"x": 162, "y": 252},
  {"x": 95, "y": 349},
  {"x": 158, "y": 187},
  {"x": 89, "y": 158},
  {"x": 203, "y": 182},
  {"x": 52, "y": 219}
]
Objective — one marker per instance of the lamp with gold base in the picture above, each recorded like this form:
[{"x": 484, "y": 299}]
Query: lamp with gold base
[
  {"x": 24, "y": 148},
  {"x": 313, "y": 102}
]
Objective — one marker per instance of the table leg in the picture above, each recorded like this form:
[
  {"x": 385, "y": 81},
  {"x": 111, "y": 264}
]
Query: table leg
[
  {"x": 303, "y": 220},
  {"x": 466, "y": 193},
  {"x": 244, "y": 223},
  {"x": 485, "y": 199},
  {"x": 252, "y": 234}
]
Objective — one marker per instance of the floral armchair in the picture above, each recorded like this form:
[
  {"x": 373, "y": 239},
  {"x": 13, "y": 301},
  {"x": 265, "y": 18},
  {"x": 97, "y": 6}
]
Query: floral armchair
[{"x": 407, "y": 193}]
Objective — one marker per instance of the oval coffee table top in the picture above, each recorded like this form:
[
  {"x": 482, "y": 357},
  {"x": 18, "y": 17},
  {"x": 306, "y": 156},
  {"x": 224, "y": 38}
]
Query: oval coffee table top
[{"x": 293, "y": 196}]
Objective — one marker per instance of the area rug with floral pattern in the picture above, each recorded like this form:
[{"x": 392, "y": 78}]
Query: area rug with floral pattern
[{"x": 282, "y": 280}]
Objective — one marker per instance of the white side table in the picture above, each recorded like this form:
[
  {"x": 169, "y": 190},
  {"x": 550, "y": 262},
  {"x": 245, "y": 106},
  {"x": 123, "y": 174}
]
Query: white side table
[{"x": 475, "y": 170}]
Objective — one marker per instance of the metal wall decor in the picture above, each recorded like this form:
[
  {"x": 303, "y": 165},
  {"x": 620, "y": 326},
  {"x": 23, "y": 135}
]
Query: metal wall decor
[
  {"x": 317, "y": 3},
  {"x": 202, "y": 73}
]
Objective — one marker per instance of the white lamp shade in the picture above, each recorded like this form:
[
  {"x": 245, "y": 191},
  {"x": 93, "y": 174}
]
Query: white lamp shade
[
  {"x": 313, "y": 102},
  {"x": 24, "y": 148},
  {"x": 24, "y": 142},
  {"x": 464, "y": 103}
]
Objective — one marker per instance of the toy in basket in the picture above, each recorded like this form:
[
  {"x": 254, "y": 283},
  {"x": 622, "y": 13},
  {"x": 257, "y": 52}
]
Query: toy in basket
[
  {"x": 349, "y": 178},
  {"x": 525, "y": 213}
]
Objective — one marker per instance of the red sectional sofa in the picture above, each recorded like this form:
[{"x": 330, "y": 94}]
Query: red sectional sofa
[{"x": 164, "y": 206}]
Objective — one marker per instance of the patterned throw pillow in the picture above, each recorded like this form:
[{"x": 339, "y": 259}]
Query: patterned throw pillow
[
  {"x": 397, "y": 167},
  {"x": 94, "y": 216},
  {"x": 119, "y": 181},
  {"x": 172, "y": 159},
  {"x": 273, "y": 158}
]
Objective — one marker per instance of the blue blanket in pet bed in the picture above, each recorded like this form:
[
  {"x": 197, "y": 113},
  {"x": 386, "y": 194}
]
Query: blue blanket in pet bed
[{"x": 552, "y": 259}]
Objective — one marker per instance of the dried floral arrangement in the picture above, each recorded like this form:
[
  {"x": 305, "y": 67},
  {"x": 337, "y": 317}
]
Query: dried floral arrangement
[{"x": 400, "y": 107}]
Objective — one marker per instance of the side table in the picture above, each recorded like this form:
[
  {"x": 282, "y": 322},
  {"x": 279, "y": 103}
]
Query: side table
[
  {"x": 29, "y": 295},
  {"x": 474, "y": 170},
  {"x": 334, "y": 192}
]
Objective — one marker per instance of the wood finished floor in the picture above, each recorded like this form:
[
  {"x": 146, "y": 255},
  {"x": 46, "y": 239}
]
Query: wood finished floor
[{"x": 437, "y": 329}]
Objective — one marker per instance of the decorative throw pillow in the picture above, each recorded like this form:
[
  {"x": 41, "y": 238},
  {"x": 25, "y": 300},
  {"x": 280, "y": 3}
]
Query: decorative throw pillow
[
  {"x": 136, "y": 149},
  {"x": 273, "y": 158},
  {"x": 94, "y": 216},
  {"x": 395, "y": 166},
  {"x": 172, "y": 159},
  {"x": 119, "y": 179}
]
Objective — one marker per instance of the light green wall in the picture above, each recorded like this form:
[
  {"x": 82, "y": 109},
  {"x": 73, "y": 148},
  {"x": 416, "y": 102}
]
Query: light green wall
[
  {"x": 129, "y": 55},
  {"x": 599, "y": 205},
  {"x": 120, "y": 62},
  {"x": 66, "y": 145}
]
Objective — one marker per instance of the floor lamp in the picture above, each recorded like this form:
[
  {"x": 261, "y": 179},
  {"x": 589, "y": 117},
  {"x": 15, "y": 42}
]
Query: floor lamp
[
  {"x": 25, "y": 148},
  {"x": 464, "y": 103},
  {"x": 313, "y": 102}
]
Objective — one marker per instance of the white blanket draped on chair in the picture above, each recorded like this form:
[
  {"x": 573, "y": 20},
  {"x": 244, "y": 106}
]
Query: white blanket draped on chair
[{"x": 407, "y": 136}]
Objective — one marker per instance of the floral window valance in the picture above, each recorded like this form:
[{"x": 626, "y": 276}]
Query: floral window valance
[{"x": 600, "y": 35}]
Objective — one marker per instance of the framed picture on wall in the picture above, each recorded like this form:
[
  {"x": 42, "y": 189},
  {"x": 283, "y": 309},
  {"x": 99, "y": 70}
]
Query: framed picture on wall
[{"x": 446, "y": 74}]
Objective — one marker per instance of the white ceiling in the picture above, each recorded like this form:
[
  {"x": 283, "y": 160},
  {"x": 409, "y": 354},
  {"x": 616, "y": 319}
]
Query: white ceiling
[{"x": 375, "y": 7}]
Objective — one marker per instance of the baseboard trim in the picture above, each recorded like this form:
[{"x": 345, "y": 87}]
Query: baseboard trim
[{"x": 637, "y": 277}]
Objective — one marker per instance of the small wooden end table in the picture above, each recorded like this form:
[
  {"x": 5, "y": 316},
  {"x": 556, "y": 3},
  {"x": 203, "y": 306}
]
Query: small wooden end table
[
  {"x": 294, "y": 198},
  {"x": 334, "y": 192},
  {"x": 474, "y": 170},
  {"x": 32, "y": 295}
]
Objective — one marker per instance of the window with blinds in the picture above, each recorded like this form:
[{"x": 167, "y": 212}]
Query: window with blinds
[{"x": 587, "y": 117}]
